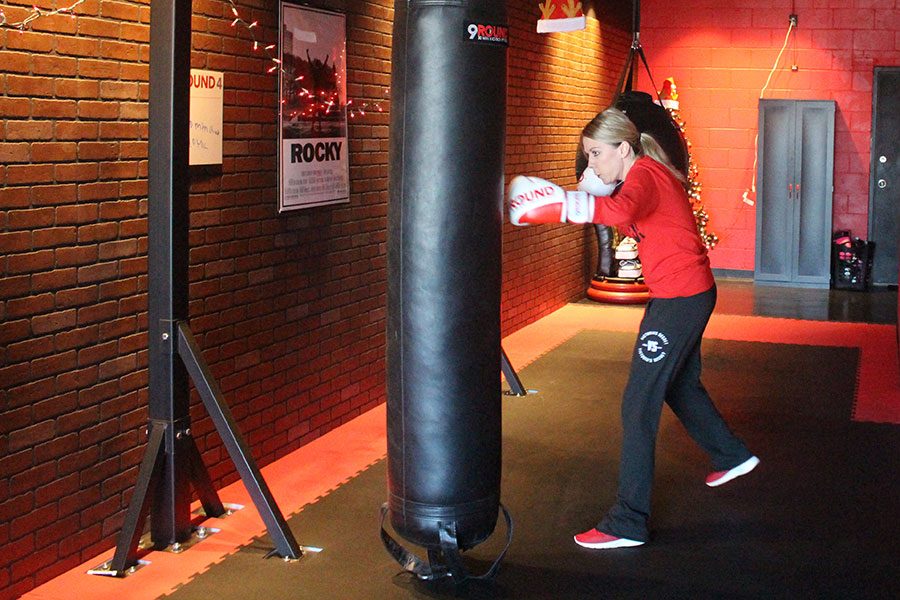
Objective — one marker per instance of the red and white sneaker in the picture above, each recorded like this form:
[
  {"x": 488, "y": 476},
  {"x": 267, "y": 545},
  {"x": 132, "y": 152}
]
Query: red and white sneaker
[
  {"x": 599, "y": 540},
  {"x": 720, "y": 477}
]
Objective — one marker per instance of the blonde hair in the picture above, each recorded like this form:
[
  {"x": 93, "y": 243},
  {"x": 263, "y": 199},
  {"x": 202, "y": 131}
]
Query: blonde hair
[{"x": 612, "y": 126}]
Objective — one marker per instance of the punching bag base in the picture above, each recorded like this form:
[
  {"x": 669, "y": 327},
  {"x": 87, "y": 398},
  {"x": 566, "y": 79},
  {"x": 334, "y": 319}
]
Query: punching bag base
[
  {"x": 444, "y": 559},
  {"x": 420, "y": 522},
  {"x": 618, "y": 291}
]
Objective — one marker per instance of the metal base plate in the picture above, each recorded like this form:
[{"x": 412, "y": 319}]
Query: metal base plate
[
  {"x": 230, "y": 509},
  {"x": 103, "y": 569},
  {"x": 528, "y": 392},
  {"x": 198, "y": 534},
  {"x": 304, "y": 550}
]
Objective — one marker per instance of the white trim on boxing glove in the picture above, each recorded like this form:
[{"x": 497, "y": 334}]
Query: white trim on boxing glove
[
  {"x": 592, "y": 184},
  {"x": 579, "y": 207}
]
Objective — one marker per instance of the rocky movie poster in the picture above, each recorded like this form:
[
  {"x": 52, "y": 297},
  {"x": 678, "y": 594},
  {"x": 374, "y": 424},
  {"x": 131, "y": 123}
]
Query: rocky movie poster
[{"x": 314, "y": 166}]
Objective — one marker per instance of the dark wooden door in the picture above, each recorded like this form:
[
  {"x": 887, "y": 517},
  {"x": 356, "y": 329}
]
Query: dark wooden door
[{"x": 884, "y": 187}]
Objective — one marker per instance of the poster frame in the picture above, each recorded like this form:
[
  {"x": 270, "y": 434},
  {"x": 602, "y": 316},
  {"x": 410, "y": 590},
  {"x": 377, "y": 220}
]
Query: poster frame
[{"x": 331, "y": 184}]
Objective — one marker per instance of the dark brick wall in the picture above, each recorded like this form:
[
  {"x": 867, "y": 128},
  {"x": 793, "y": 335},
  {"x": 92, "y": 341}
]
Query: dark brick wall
[{"x": 289, "y": 309}]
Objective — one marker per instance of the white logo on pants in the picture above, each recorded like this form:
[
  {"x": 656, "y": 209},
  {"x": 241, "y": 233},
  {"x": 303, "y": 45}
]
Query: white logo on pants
[{"x": 652, "y": 345}]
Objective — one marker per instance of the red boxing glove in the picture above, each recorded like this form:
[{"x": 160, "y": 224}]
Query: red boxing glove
[{"x": 536, "y": 200}]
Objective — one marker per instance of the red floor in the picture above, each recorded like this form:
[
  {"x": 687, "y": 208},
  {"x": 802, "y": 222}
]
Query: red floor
[{"x": 314, "y": 470}]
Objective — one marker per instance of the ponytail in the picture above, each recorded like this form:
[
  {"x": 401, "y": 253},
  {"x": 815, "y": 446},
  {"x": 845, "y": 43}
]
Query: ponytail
[
  {"x": 613, "y": 126},
  {"x": 650, "y": 147}
]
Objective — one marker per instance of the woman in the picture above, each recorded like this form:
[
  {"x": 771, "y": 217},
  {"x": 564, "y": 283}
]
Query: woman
[{"x": 651, "y": 206}]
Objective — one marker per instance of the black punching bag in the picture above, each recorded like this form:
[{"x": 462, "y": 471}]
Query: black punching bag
[
  {"x": 652, "y": 118},
  {"x": 648, "y": 117},
  {"x": 447, "y": 133}
]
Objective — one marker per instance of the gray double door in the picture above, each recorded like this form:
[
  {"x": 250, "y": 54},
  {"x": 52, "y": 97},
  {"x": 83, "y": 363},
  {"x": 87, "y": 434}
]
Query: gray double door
[{"x": 794, "y": 192}]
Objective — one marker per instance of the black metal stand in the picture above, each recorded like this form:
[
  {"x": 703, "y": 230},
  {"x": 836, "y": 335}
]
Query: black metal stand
[
  {"x": 172, "y": 461},
  {"x": 515, "y": 384}
]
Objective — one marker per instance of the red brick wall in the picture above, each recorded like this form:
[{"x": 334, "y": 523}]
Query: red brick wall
[
  {"x": 557, "y": 83},
  {"x": 288, "y": 309},
  {"x": 720, "y": 53},
  {"x": 72, "y": 282}
]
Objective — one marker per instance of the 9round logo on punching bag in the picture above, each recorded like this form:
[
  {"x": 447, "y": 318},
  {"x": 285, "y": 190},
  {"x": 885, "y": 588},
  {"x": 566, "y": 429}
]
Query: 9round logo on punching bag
[{"x": 487, "y": 33}]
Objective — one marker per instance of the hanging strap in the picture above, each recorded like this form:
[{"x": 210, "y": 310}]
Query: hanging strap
[
  {"x": 445, "y": 560},
  {"x": 625, "y": 85},
  {"x": 636, "y": 49}
]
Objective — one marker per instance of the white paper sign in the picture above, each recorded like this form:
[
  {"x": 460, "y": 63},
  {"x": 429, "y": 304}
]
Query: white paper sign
[{"x": 206, "y": 117}]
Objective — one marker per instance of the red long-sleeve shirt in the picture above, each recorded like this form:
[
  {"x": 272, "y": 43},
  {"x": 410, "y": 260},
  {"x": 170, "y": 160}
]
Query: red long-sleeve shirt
[{"x": 652, "y": 207}]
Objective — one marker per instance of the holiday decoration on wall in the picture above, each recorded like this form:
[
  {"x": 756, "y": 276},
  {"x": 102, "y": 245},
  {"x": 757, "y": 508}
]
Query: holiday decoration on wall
[
  {"x": 36, "y": 13},
  {"x": 269, "y": 49},
  {"x": 318, "y": 103},
  {"x": 561, "y": 15},
  {"x": 668, "y": 95},
  {"x": 669, "y": 99}
]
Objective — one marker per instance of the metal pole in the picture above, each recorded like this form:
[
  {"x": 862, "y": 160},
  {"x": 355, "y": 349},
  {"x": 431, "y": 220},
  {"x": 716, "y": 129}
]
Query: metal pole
[
  {"x": 169, "y": 181},
  {"x": 172, "y": 462},
  {"x": 512, "y": 378}
]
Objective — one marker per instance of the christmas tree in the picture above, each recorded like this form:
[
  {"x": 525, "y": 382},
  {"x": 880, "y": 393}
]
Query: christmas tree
[{"x": 669, "y": 97}]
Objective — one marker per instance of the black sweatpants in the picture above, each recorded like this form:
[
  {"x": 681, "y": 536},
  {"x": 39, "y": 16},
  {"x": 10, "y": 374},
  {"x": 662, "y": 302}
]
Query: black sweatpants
[{"x": 665, "y": 367}]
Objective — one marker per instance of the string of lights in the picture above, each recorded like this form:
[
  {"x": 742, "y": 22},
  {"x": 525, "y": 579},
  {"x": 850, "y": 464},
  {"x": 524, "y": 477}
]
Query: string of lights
[
  {"x": 320, "y": 103},
  {"x": 695, "y": 190},
  {"x": 317, "y": 103},
  {"x": 668, "y": 97},
  {"x": 250, "y": 26},
  {"x": 35, "y": 14}
]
